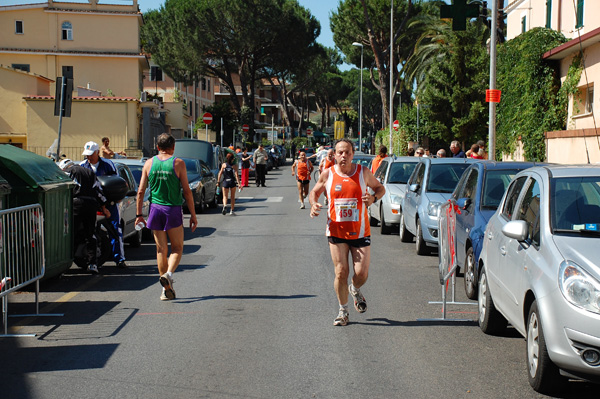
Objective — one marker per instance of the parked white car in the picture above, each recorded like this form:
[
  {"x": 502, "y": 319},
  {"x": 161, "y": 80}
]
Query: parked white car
[
  {"x": 540, "y": 271},
  {"x": 393, "y": 173}
]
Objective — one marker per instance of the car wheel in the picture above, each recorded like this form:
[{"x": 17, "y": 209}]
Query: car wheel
[
  {"x": 421, "y": 245},
  {"x": 385, "y": 228},
  {"x": 215, "y": 201},
  {"x": 201, "y": 203},
  {"x": 544, "y": 376},
  {"x": 469, "y": 275},
  {"x": 490, "y": 320},
  {"x": 136, "y": 239},
  {"x": 405, "y": 235}
]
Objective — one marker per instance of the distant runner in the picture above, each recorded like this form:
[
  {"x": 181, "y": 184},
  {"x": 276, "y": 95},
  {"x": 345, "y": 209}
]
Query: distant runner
[{"x": 301, "y": 169}]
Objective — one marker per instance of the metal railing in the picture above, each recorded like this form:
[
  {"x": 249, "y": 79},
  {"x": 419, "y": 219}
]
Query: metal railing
[{"x": 22, "y": 258}]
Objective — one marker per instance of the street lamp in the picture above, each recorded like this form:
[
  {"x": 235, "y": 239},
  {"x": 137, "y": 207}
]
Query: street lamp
[{"x": 360, "y": 100}]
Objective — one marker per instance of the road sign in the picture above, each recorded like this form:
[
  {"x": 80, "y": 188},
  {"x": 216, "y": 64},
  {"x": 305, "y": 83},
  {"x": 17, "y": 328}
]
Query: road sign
[
  {"x": 245, "y": 128},
  {"x": 396, "y": 125},
  {"x": 309, "y": 131},
  {"x": 207, "y": 118}
]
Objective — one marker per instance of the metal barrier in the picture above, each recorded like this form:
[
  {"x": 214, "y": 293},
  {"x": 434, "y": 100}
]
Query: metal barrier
[
  {"x": 22, "y": 260},
  {"x": 447, "y": 258}
]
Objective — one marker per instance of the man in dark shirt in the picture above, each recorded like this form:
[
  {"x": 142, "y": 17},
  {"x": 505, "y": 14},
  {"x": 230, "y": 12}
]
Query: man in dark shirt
[
  {"x": 104, "y": 167},
  {"x": 87, "y": 198},
  {"x": 456, "y": 151}
]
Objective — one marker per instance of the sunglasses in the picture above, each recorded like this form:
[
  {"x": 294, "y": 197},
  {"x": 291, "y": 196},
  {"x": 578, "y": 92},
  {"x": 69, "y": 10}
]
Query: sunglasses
[{"x": 419, "y": 153}]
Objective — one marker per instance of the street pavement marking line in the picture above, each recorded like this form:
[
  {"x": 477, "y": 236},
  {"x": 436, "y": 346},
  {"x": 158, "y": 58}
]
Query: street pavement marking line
[
  {"x": 274, "y": 199},
  {"x": 243, "y": 199}
]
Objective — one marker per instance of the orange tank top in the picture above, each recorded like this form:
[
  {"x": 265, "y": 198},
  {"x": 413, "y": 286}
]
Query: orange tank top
[
  {"x": 328, "y": 164},
  {"x": 347, "y": 214},
  {"x": 302, "y": 171}
]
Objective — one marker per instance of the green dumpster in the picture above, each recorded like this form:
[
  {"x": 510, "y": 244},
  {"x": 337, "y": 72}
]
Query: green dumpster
[
  {"x": 4, "y": 191},
  {"x": 34, "y": 179}
]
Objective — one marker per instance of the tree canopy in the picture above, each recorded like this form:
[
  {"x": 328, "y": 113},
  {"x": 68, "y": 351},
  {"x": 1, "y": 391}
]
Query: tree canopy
[{"x": 239, "y": 42}]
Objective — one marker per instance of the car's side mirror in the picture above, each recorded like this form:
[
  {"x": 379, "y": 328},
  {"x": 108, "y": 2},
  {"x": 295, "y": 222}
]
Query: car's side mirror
[
  {"x": 131, "y": 193},
  {"x": 463, "y": 203},
  {"x": 516, "y": 229},
  {"x": 414, "y": 187}
]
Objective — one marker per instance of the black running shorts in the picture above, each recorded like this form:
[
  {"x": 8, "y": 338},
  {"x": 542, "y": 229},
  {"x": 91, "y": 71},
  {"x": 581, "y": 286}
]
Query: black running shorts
[{"x": 358, "y": 243}]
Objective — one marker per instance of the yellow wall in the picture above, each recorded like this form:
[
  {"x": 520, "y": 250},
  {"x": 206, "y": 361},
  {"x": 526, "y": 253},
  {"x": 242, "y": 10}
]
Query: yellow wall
[
  {"x": 14, "y": 85},
  {"x": 96, "y": 39},
  {"x": 42, "y": 29},
  {"x": 90, "y": 120}
]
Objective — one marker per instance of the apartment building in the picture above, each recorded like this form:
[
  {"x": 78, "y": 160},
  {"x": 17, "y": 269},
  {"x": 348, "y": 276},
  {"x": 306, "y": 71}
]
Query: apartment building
[
  {"x": 101, "y": 43},
  {"x": 577, "y": 21},
  {"x": 181, "y": 104}
]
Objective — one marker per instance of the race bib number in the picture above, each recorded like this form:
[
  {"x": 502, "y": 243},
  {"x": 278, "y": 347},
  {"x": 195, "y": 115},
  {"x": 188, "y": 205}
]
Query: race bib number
[{"x": 346, "y": 209}]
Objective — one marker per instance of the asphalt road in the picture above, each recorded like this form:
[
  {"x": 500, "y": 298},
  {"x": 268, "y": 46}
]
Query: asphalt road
[{"x": 253, "y": 319}]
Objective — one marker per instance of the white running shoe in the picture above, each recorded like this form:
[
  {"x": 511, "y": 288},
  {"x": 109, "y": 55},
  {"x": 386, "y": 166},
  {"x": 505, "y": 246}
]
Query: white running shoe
[
  {"x": 232, "y": 213},
  {"x": 360, "y": 303},
  {"x": 341, "y": 319},
  {"x": 167, "y": 282}
]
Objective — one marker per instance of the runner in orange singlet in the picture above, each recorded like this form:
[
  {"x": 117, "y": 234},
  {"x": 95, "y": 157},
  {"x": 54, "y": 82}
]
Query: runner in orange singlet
[
  {"x": 348, "y": 228},
  {"x": 328, "y": 161},
  {"x": 301, "y": 169}
]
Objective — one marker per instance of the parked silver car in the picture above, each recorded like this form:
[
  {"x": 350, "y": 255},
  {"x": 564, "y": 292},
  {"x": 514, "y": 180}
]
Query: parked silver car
[
  {"x": 431, "y": 184},
  {"x": 539, "y": 270},
  {"x": 393, "y": 173}
]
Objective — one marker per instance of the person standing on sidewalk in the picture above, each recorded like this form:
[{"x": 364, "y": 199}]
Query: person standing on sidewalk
[
  {"x": 245, "y": 167},
  {"x": 302, "y": 169},
  {"x": 166, "y": 176},
  {"x": 87, "y": 199},
  {"x": 105, "y": 167},
  {"x": 229, "y": 173},
  {"x": 260, "y": 158},
  {"x": 348, "y": 230}
]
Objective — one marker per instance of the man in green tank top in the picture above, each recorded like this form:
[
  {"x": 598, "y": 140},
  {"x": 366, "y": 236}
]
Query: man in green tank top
[{"x": 166, "y": 175}]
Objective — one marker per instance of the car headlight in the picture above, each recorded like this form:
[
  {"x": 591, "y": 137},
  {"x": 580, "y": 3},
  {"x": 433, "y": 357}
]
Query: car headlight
[
  {"x": 433, "y": 209},
  {"x": 396, "y": 199},
  {"x": 578, "y": 287},
  {"x": 194, "y": 185}
]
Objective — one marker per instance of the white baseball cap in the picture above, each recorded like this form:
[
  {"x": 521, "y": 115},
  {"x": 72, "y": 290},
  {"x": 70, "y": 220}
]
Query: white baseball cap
[
  {"x": 89, "y": 148},
  {"x": 66, "y": 164}
]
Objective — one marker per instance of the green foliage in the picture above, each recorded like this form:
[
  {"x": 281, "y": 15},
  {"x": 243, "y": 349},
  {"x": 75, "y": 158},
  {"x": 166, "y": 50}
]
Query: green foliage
[
  {"x": 248, "y": 39},
  {"x": 569, "y": 86},
  {"x": 399, "y": 141},
  {"x": 531, "y": 102},
  {"x": 453, "y": 90},
  {"x": 368, "y": 23}
]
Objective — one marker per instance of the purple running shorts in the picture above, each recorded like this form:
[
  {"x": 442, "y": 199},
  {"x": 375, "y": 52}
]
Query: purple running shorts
[{"x": 164, "y": 217}]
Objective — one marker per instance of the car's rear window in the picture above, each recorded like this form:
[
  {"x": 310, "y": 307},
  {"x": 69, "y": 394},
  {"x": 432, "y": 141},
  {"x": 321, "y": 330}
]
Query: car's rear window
[
  {"x": 400, "y": 172},
  {"x": 136, "y": 171},
  {"x": 191, "y": 165},
  {"x": 575, "y": 203},
  {"x": 443, "y": 178},
  {"x": 494, "y": 186}
]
